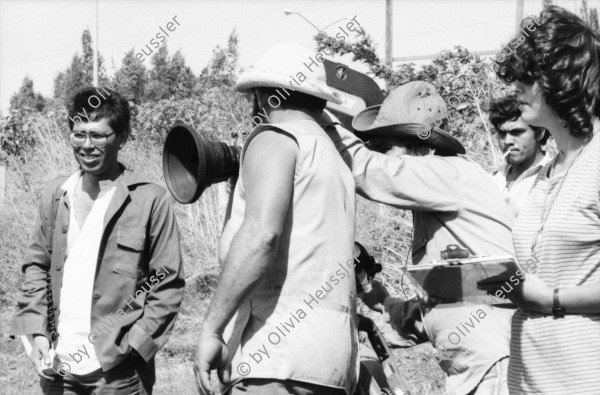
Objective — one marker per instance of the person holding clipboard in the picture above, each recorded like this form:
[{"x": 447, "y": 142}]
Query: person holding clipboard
[{"x": 414, "y": 165}]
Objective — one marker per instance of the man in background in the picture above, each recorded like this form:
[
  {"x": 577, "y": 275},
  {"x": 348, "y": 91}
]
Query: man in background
[
  {"x": 523, "y": 148},
  {"x": 103, "y": 275},
  {"x": 414, "y": 165}
]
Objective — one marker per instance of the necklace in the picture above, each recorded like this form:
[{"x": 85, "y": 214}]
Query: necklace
[{"x": 546, "y": 213}]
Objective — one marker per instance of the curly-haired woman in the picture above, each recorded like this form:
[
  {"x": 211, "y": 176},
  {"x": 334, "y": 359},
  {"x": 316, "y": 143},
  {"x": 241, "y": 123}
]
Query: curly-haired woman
[{"x": 555, "y": 343}]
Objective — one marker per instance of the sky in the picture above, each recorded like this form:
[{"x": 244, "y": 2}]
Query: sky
[{"x": 38, "y": 38}]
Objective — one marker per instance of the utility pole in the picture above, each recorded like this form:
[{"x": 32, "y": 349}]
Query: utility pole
[
  {"x": 388, "y": 32},
  {"x": 519, "y": 15},
  {"x": 96, "y": 50}
]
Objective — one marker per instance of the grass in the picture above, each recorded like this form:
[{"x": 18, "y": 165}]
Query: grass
[{"x": 200, "y": 224}]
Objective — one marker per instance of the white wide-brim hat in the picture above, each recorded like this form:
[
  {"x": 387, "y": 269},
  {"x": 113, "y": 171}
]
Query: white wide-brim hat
[{"x": 290, "y": 66}]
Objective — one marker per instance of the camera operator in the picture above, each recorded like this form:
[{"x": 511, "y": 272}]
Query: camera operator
[
  {"x": 454, "y": 201},
  {"x": 287, "y": 247}
]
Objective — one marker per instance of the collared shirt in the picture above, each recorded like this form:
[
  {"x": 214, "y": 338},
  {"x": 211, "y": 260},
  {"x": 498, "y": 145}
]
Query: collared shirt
[
  {"x": 454, "y": 201},
  {"x": 138, "y": 284},
  {"x": 73, "y": 346},
  {"x": 516, "y": 194}
]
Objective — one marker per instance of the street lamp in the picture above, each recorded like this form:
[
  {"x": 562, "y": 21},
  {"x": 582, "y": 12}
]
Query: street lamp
[{"x": 289, "y": 12}]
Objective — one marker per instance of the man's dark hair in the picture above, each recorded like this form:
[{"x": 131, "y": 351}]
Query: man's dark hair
[
  {"x": 290, "y": 99},
  {"x": 561, "y": 54},
  {"x": 93, "y": 104},
  {"x": 506, "y": 109}
]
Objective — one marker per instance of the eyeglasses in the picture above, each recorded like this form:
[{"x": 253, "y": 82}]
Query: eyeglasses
[{"x": 98, "y": 140}]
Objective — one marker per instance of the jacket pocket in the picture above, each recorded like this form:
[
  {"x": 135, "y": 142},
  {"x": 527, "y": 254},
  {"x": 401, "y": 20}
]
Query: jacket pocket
[{"x": 131, "y": 243}]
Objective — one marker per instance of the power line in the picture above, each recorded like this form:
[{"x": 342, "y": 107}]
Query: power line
[
  {"x": 458, "y": 27},
  {"x": 431, "y": 56},
  {"x": 41, "y": 15}
]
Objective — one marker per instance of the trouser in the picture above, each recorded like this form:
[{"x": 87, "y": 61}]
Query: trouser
[
  {"x": 133, "y": 376},
  {"x": 495, "y": 380},
  {"x": 281, "y": 387}
]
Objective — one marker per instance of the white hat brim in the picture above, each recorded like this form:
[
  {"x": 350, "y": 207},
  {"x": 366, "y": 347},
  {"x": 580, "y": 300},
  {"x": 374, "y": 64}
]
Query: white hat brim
[{"x": 251, "y": 79}]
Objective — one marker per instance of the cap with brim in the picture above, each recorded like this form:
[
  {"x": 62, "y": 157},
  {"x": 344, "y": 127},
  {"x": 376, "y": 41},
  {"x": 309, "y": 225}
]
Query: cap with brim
[
  {"x": 291, "y": 67},
  {"x": 444, "y": 143}
]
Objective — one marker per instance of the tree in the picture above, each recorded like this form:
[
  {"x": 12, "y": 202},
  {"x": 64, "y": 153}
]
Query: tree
[
  {"x": 26, "y": 98},
  {"x": 169, "y": 78},
  {"x": 184, "y": 80},
  {"x": 223, "y": 67},
  {"x": 158, "y": 84},
  {"x": 131, "y": 79},
  {"x": 589, "y": 15},
  {"x": 80, "y": 73},
  {"x": 464, "y": 81},
  {"x": 594, "y": 19}
]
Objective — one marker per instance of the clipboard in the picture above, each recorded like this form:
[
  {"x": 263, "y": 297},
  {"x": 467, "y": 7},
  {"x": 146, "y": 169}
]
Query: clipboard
[{"x": 455, "y": 280}]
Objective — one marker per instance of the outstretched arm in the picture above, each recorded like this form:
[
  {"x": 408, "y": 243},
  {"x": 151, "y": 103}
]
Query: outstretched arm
[
  {"x": 268, "y": 176},
  {"x": 410, "y": 183},
  {"x": 534, "y": 295}
]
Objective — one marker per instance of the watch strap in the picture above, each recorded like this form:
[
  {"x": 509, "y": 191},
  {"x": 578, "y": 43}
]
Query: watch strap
[{"x": 557, "y": 310}]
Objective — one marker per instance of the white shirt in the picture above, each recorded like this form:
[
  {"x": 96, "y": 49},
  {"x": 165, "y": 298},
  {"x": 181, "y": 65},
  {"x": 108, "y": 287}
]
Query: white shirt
[
  {"x": 520, "y": 188},
  {"x": 73, "y": 346}
]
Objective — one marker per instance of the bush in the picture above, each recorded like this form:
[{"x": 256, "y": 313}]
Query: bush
[
  {"x": 216, "y": 116},
  {"x": 16, "y": 133}
]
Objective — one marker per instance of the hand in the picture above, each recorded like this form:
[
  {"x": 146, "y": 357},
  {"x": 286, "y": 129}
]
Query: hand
[
  {"x": 374, "y": 295},
  {"x": 212, "y": 353},
  {"x": 40, "y": 357},
  {"x": 429, "y": 301},
  {"x": 532, "y": 294}
]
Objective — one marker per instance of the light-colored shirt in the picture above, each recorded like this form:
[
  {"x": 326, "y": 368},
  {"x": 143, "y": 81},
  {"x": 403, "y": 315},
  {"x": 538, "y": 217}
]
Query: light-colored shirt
[
  {"x": 454, "y": 201},
  {"x": 300, "y": 321},
  {"x": 518, "y": 192},
  {"x": 560, "y": 355},
  {"x": 73, "y": 346}
]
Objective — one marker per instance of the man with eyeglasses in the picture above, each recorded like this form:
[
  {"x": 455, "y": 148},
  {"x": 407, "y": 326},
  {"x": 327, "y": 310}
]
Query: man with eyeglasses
[{"x": 103, "y": 275}]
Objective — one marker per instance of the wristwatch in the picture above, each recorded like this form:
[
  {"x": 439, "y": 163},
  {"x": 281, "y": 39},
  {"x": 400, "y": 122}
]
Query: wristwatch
[{"x": 557, "y": 310}]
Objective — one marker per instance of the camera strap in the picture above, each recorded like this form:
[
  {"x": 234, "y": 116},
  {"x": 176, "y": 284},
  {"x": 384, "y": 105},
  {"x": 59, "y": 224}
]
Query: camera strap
[{"x": 50, "y": 310}]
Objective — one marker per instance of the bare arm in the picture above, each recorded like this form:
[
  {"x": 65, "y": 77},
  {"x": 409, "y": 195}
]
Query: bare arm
[
  {"x": 268, "y": 176},
  {"x": 583, "y": 299},
  {"x": 535, "y": 295},
  {"x": 268, "y": 173}
]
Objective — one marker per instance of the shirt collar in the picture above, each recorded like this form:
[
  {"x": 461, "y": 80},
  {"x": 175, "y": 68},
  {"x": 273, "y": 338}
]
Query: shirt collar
[
  {"x": 505, "y": 169},
  {"x": 128, "y": 177}
]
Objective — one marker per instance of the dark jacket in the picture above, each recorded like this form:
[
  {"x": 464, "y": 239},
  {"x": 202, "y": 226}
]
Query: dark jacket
[{"x": 139, "y": 282}]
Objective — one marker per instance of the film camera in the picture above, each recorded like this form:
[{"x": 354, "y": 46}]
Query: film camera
[{"x": 192, "y": 163}]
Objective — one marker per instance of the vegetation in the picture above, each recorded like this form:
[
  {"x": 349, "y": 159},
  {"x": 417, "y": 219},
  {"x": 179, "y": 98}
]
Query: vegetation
[
  {"x": 464, "y": 80},
  {"x": 33, "y": 145}
]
